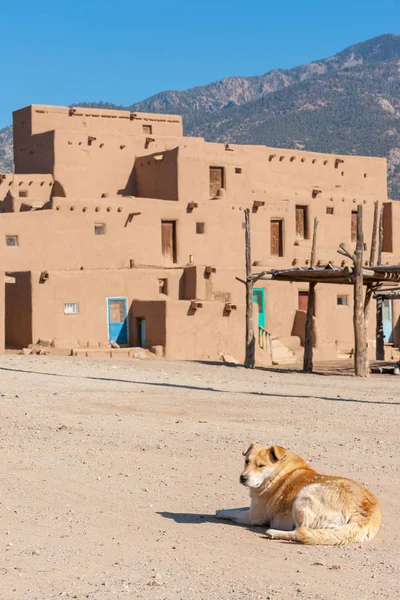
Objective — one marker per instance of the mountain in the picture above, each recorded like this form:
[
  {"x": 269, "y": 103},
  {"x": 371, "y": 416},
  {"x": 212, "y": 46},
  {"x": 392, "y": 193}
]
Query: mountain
[{"x": 348, "y": 103}]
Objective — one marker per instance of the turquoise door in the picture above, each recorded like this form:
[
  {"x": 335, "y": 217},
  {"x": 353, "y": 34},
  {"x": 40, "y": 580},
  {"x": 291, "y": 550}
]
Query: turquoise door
[
  {"x": 387, "y": 320},
  {"x": 259, "y": 299},
  {"x": 117, "y": 317}
]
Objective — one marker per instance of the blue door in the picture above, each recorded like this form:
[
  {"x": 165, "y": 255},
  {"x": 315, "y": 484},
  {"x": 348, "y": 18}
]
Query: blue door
[
  {"x": 387, "y": 320},
  {"x": 117, "y": 316},
  {"x": 259, "y": 299}
]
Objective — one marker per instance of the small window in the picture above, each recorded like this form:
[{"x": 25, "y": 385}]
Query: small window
[
  {"x": 99, "y": 229},
  {"x": 71, "y": 308},
  {"x": 163, "y": 286},
  {"x": 238, "y": 170},
  {"x": 200, "y": 227},
  {"x": 329, "y": 210},
  {"x": 148, "y": 129},
  {"x": 23, "y": 193},
  {"x": 12, "y": 240},
  {"x": 341, "y": 300}
]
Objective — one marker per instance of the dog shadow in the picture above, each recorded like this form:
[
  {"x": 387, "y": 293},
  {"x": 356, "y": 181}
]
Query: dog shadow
[{"x": 197, "y": 519}]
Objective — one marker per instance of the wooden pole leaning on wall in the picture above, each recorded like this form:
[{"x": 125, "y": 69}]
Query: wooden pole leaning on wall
[
  {"x": 249, "y": 361},
  {"x": 380, "y": 342},
  {"x": 371, "y": 286},
  {"x": 309, "y": 330},
  {"x": 361, "y": 365}
]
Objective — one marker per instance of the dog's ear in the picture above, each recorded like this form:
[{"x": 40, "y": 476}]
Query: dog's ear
[
  {"x": 250, "y": 448},
  {"x": 277, "y": 453}
]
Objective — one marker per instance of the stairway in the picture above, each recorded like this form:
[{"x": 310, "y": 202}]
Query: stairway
[{"x": 280, "y": 354}]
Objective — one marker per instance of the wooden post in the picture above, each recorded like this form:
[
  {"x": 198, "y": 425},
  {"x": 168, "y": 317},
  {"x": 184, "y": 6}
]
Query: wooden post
[
  {"x": 309, "y": 332},
  {"x": 249, "y": 362},
  {"x": 380, "y": 342},
  {"x": 370, "y": 286},
  {"x": 361, "y": 366}
]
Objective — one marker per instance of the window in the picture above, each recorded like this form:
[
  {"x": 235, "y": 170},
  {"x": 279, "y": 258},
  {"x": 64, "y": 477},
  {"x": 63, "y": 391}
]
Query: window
[
  {"x": 329, "y": 210},
  {"x": 200, "y": 227},
  {"x": 216, "y": 180},
  {"x": 238, "y": 170},
  {"x": 71, "y": 308},
  {"x": 23, "y": 193},
  {"x": 163, "y": 286},
  {"x": 148, "y": 129},
  {"x": 99, "y": 229},
  {"x": 341, "y": 300},
  {"x": 301, "y": 222},
  {"x": 276, "y": 231},
  {"x": 354, "y": 226},
  {"x": 12, "y": 240}
]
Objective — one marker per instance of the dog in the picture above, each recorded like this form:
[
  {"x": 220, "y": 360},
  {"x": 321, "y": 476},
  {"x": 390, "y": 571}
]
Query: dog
[{"x": 300, "y": 505}]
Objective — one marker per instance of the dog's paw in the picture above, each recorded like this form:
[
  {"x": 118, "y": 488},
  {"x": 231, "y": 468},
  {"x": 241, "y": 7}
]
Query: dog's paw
[{"x": 269, "y": 534}]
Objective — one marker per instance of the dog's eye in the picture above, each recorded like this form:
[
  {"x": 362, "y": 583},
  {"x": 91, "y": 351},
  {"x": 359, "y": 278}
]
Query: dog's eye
[{"x": 261, "y": 466}]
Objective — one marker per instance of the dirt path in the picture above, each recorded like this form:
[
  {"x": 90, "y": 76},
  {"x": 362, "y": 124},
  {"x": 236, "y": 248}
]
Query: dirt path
[{"x": 111, "y": 474}]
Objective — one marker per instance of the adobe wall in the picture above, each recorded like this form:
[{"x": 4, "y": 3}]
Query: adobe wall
[
  {"x": 90, "y": 152},
  {"x": 154, "y": 312},
  {"x": 22, "y": 192},
  {"x": 156, "y": 175},
  {"x": 36, "y": 118},
  {"x": 90, "y": 289},
  {"x": 259, "y": 172},
  {"x": 68, "y": 230}
]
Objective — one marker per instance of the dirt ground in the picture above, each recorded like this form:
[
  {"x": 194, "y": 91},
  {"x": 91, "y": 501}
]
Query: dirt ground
[{"x": 112, "y": 472}]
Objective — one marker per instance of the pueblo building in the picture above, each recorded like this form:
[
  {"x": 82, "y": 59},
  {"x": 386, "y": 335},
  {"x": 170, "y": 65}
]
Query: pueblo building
[{"x": 115, "y": 227}]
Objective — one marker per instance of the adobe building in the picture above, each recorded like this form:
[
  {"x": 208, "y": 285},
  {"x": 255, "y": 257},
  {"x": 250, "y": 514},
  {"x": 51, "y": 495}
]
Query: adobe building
[{"x": 115, "y": 227}]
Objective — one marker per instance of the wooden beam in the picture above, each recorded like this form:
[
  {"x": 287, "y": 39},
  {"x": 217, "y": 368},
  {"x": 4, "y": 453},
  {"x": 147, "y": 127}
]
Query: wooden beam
[
  {"x": 380, "y": 342},
  {"x": 249, "y": 361},
  {"x": 309, "y": 329}
]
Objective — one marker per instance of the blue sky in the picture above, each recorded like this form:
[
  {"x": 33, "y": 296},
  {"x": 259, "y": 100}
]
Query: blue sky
[{"x": 61, "y": 52}]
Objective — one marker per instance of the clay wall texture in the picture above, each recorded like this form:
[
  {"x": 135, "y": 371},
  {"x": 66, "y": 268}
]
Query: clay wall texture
[{"x": 112, "y": 203}]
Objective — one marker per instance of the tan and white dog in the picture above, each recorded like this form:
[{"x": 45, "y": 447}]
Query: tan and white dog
[{"x": 300, "y": 505}]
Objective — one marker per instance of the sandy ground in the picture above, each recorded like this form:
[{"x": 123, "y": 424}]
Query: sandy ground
[{"x": 112, "y": 472}]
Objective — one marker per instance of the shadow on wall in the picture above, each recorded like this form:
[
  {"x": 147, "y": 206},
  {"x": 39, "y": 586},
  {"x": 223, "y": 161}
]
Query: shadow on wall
[
  {"x": 58, "y": 190},
  {"x": 130, "y": 188},
  {"x": 299, "y": 326}
]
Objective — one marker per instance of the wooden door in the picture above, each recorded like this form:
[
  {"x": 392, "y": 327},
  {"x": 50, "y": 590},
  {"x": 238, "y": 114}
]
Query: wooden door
[
  {"x": 303, "y": 301},
  {"x": 168, "y": 241},
  {"x": 276, "y": 238},
  {"x": 387, "y": 321},
  {"x": 117, "y": 316},
  {"x": 259, "y": 299},
  {"x": 216, "y": 180}
]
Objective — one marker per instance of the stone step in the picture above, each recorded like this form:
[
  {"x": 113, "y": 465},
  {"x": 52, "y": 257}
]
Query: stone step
[{"x": 281, "y": 355}]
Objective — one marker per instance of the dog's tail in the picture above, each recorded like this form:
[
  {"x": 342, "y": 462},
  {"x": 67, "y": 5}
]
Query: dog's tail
[{"x": 360, "y": 528}]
